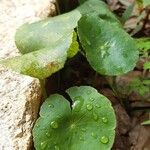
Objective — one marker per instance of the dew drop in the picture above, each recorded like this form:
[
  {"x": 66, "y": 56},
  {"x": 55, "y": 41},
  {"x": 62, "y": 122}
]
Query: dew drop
[
  {"x": 92, "y": 99},
  {"x": 56, "y": 147},
  {"x": 95, "y": 116},
  {"x": 83, "y": 129},
  {"x": 77, "y": 104},
  {"x": 94, "y": 135},
  {"x": 97, "y": 105},
  {"x": 47, "y": 134},
  {"x": 89, "y": 91},
  {"x": 88, "y": 42},
  {"x": 54, "y": 124},
  {"x": 43, "y": 145},
  {"x": 89, "y": 107},
  {"x": 102, "y": 47},
  {"x": 104, "y": 140},
  {"x": 81, "y": 138},
  {"x": 104, "y": 120},
  {"x": 51, "y": 105}
]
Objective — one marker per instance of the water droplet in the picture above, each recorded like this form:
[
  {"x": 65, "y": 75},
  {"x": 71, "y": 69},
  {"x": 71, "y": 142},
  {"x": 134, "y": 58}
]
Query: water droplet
[
  {"x": 47, "y": 134},
  {"x": 51, "y": 105},
  {"x": 43, "y": 145},
  {"x": 94, "y": 135},
  {"x": 104, "y": 50},
  {"x": 56, "y": 147},
  {"x": 54, "y": 124},
  {"x": 104, "y": 120},
  {"x": 89, "y": 91},
  {"x": 104, "y": 140},
  {"x": 83, "y": 129},
  {"x": 88, "y": 42},
  {"x": 92, "y": 99},
  {"x": 95, "y": 116},
  {"x": 78, "y": 103},
  {"x": 81, "y": 138},
  {"x": 98, "y": 105},
  {"x": 102, "y": 47},
  {"x": 73, "y": 126},
  {"x": 89, "y": 107}
]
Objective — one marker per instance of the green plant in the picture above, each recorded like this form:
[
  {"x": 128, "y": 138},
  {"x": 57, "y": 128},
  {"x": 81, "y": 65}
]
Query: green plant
[
  {"x": 46, "y": 45},
  {"x": 87, "y": 124},
  {"x": 108, "y": 48}
]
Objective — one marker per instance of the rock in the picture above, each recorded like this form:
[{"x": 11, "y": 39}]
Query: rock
[
  {"x": 19, "y": 104},
  {"x": 20, "y": 95},
  {"x": 14, "y": 13}
]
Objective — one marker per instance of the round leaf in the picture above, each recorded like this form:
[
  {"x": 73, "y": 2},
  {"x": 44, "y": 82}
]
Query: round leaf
[
  {"x": 88, "y": 124},
  {"x": 42, "y": 63},
  {"x": 46, "y": 33},
  {"x": 109, "y": 49}
]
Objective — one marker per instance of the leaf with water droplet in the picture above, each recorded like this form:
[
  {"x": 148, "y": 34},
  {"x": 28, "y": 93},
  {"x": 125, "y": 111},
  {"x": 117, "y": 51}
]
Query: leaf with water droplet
[
  {"x": 95, "y": 116},
  {"x": 94, "y": 135},
  {"x": 54, "y": 124},
  {"x": 80, "y": 129},
  {"x": 89, "y": 107},
  {"x": 78, "y": 103},
  {"x": 104, "y": 120},
  {"x": 57, "y": 147},
  {"x": 104, "y": 140},
  {"x": 43, "y": 145}
]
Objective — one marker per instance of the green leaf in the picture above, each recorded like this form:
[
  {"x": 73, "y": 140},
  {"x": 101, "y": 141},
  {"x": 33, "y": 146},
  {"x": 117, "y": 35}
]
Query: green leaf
[
  {"x": 109, "y": 49},
  {"x": 143, "y": 44},
  {"x": 99, "y": 8},
  {"x": 45, "y": 45},
  {"x": 146, "y": 3},
  {"x": 46, "y": 33},
  {"x": 74, "y": 48},
  {"x": 146, "y": 122},
  {"x": 88, "y": 125},
  {"x": 147, "y": 65},
  {"x": 42, "y": 63}
]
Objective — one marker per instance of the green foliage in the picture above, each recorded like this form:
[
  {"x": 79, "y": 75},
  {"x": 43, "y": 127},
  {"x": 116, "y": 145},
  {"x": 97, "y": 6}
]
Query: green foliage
[
  {"x": 98, "y": 8},
  {"x": 109, "y": 50},
  {"x": 46, "y": 33},
  {"x": 88, "y": 124},
  {"x": 74, "y": 47},
  {"x": 147, "y": 65},
  {"x": 112, "y": 51},
  {"x": 144, "y": 3},
  {"x": 45, "y": 45},
  {"x": 139, "y": 86},
  {"x": 143, "y": 44},
  {"x": 146, "y": 122}
]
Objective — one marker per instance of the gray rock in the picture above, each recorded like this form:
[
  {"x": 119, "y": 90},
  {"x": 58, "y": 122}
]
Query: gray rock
[{"x": 20, "y": 95}]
